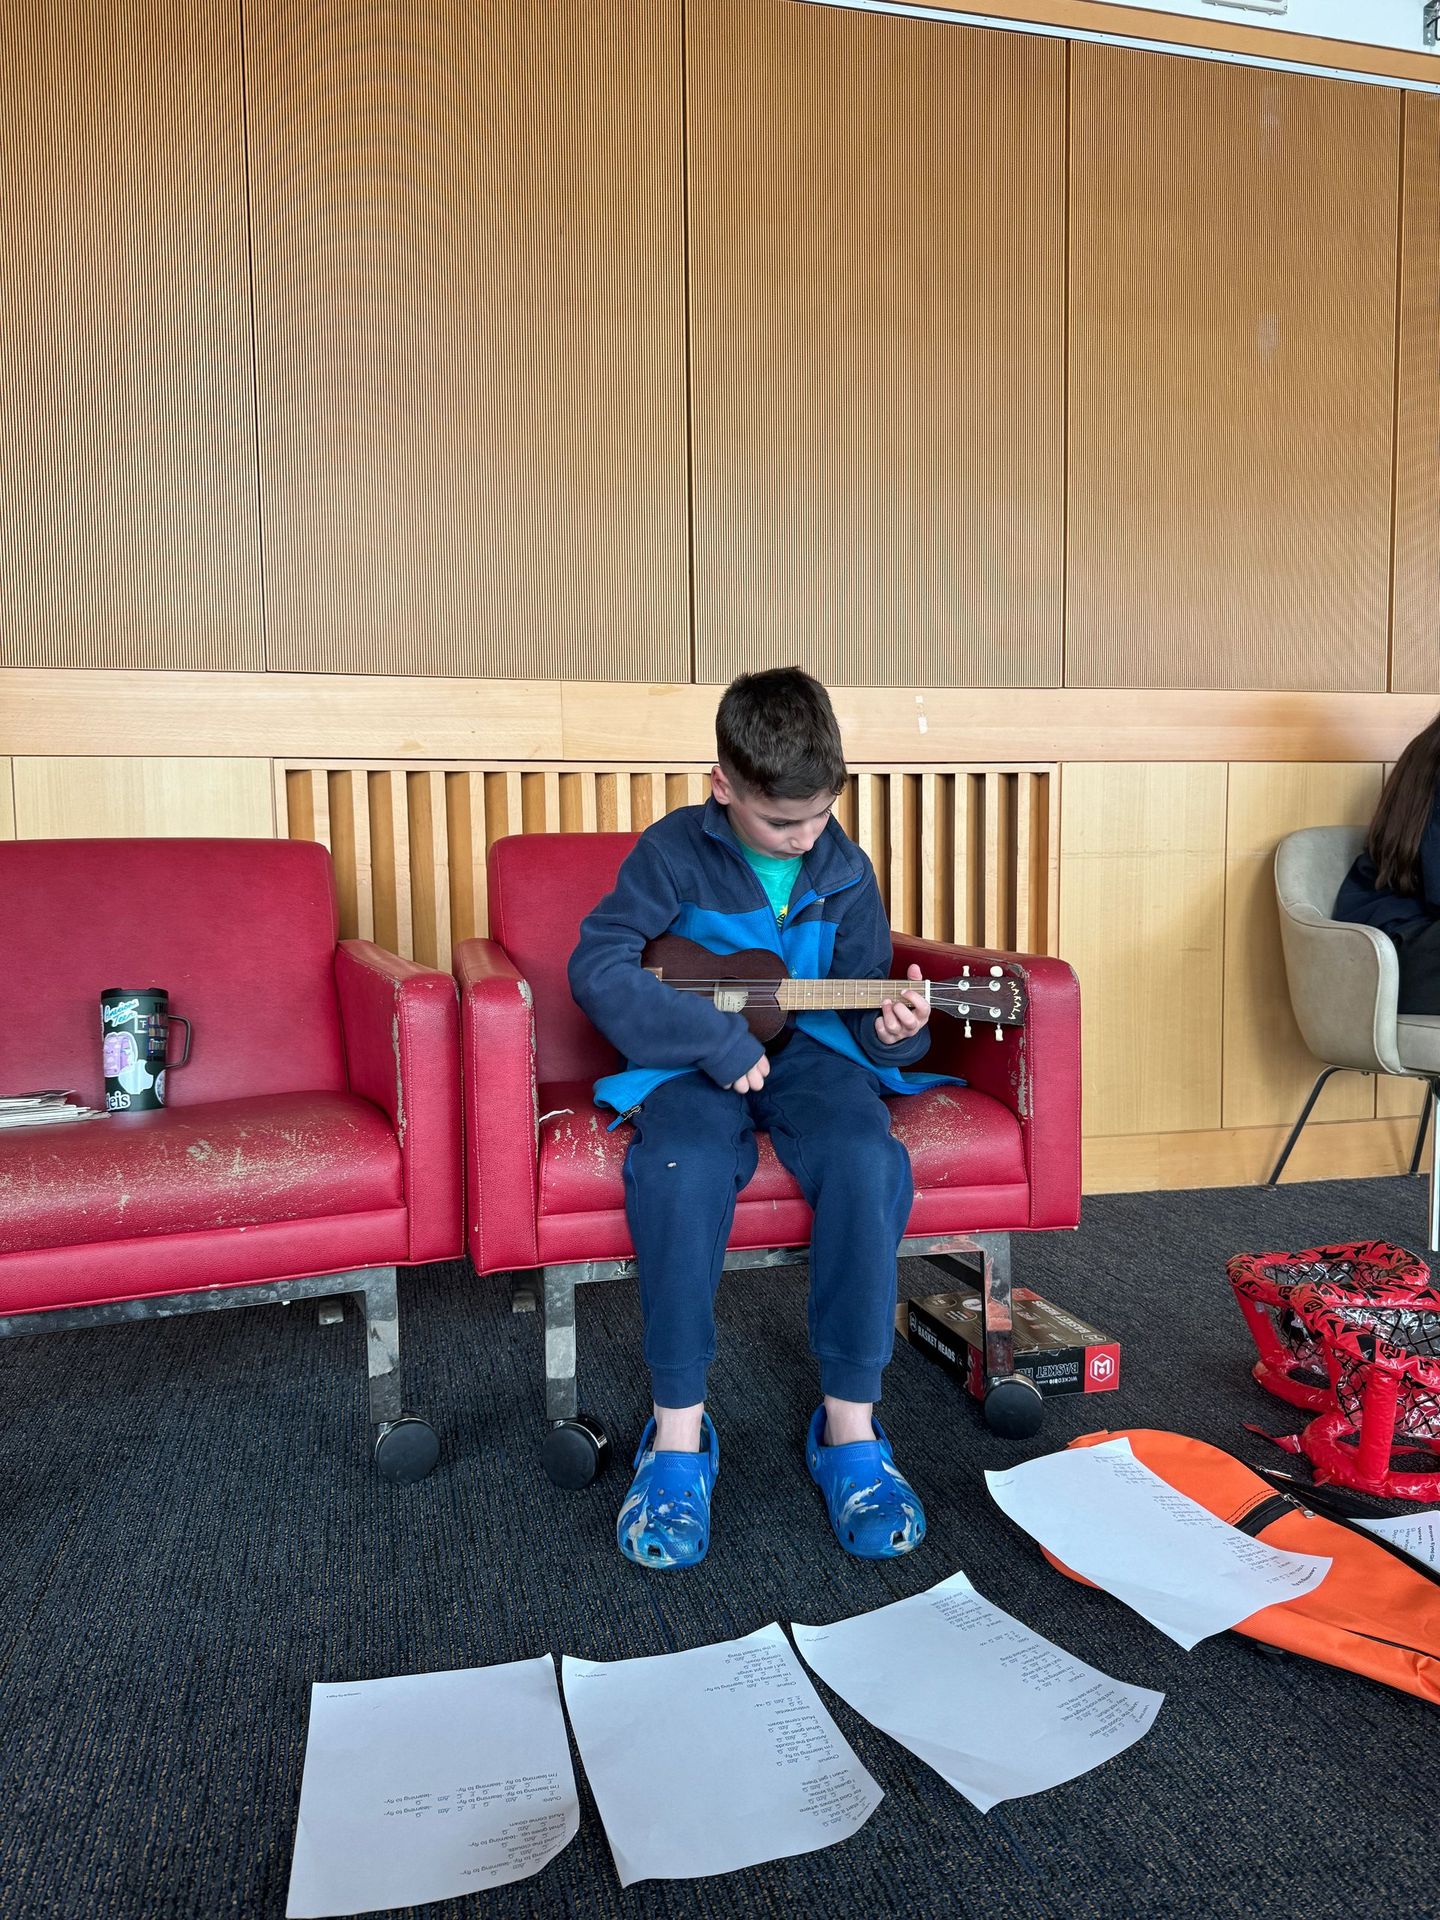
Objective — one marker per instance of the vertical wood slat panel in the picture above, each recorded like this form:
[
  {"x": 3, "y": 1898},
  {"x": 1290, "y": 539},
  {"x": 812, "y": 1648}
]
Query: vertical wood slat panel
[
  {"x": 931, "y": 903},
  {"x": 345, "y": 817},
  {"x": 410, "y": 844},
  {"x": 428, "y": 867},
  {"x": 465, "y": 852},
  {"x": 993, "y": 934},
  {"x": 965, "y": 930}
]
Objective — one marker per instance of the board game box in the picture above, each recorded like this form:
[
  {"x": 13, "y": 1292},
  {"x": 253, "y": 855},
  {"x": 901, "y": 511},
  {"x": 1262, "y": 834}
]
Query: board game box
[{"x": 1058, "y": 1352}]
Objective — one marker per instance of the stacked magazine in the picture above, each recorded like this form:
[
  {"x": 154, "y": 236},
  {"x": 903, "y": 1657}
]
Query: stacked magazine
[{"x": 43, "y": 1109}]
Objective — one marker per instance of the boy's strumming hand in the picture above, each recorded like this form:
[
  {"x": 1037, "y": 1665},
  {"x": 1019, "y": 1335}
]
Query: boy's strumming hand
[
  {"x": 753, "y": 1081},
  {"x": 898, "y": 1019}
]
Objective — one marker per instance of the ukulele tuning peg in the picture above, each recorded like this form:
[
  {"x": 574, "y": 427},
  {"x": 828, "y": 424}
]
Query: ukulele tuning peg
[
  {"x": 995, "y": 973},
  {"x": 967, "y": 1029},
  {"x": 999, "y": 1033}
]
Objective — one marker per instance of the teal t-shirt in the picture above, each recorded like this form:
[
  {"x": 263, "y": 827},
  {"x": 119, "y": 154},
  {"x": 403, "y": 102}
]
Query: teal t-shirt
[{"x": 776, "y": 876}]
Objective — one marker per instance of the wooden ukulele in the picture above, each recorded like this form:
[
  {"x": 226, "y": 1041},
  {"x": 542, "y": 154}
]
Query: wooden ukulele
[{"x": 756, "y": 984}]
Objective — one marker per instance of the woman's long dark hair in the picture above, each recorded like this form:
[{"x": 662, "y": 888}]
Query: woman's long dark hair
[{"x": 1404, "y": 813}]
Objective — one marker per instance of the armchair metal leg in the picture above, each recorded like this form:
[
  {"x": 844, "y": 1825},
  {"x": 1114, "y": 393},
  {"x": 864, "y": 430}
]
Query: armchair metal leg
[
  {"x": 1014, "y": 1406},
  {"x": 406, "y": 1447},
  {"x": 576, "y": 1447},
  {"x": 1298, "y": 1127}
]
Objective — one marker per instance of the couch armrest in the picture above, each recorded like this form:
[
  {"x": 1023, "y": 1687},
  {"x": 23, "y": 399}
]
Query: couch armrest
[
  {"x": 402, "y": 1051},
  {"x": 1034, "y": 1070},
  {"x": 497, "y": 1041}
]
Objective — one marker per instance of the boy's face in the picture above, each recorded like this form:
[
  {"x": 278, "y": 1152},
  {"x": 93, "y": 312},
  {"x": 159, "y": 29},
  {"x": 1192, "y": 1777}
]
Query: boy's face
[{"x": 781, "y": 828}]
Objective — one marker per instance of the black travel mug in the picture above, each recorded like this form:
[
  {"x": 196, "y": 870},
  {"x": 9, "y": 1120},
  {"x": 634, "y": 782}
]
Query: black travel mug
[{"x": 135, "y": 1028}]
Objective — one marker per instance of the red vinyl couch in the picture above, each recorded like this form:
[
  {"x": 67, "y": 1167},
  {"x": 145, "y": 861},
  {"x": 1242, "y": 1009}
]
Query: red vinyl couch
[
  {"x": 543, "y": 1168},
  {"x": 311, "y": 1146}
]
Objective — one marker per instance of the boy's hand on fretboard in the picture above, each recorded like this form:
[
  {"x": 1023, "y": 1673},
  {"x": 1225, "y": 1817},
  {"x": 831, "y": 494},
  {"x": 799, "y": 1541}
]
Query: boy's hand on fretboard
[{"x": 898, "y": 1019}]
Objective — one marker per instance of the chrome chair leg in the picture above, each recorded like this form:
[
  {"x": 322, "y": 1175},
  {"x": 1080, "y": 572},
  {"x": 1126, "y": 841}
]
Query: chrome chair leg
[
  {"x": 1432, "y": 1100},
  {"x": 1425, "y": 1106},
  {"x": 1298, "y": 1127}
]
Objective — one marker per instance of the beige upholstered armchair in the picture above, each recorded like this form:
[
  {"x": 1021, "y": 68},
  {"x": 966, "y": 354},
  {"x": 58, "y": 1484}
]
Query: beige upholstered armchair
[{"x": 1344, "y": 985}]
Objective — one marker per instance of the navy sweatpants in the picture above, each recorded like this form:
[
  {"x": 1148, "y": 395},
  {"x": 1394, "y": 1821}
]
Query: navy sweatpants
[{"x": 693, "y": 1151}]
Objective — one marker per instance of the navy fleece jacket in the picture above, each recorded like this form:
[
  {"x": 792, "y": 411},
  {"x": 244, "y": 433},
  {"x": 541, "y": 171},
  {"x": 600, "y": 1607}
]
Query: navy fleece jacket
[
  {"x": 1360, "y": 897},
  {"x": 688, "y": 876}
]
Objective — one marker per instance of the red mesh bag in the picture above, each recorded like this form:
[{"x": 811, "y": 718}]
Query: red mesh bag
[
  {"x": 1366, "y": 1279},
  {"x": 1381, "y": 1433}
]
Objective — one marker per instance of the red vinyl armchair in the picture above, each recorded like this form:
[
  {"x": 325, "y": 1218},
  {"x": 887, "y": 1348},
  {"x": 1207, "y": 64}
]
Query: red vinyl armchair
[
  {"x": 310, "y": 1146},
  {"x": 543, "y": 1170}
]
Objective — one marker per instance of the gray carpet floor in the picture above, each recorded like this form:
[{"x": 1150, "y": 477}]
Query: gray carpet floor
[{"x": 193, "y": 1535}]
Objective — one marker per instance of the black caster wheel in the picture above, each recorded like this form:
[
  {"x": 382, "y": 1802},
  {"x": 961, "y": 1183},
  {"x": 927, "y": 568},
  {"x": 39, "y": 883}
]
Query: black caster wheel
[
  {"x": 1014, "y": 1407},
  {"x": 574, "y": 1452},
  {"x": 406, "y": 1449}
]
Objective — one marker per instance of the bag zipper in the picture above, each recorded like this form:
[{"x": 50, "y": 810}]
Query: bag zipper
[{"x": 1266, "y": 1512}]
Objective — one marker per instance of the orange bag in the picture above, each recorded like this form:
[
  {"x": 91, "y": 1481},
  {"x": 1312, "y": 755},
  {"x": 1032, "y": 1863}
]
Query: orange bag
[{"x": 1376, "y": 1612}]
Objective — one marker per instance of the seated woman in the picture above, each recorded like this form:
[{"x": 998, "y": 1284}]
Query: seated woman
[{"x": 1395, "y": 883}]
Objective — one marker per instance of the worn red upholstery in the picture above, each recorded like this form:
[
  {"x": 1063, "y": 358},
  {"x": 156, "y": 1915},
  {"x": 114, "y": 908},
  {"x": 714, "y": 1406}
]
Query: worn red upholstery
[
  {"x": 542, "y": 1169},
  {"x": 315, "y": 1129}
]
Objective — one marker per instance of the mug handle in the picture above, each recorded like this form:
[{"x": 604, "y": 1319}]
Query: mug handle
[{"x": 179, "y": 1020}]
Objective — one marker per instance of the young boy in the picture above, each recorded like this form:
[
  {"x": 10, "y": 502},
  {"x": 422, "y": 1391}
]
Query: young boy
[{"x": 762, "y": 865}]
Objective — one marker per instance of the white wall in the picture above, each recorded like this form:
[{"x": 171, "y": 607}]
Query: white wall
[{"x": 1377, "y": 23}]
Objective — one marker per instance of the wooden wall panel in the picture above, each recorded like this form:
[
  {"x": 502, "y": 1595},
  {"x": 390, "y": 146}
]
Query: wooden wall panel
[
  {"x": 877, "y": 311},
  {"x": 469, "y": 269},
  {"x": 1142, "y": 913},
  {"x": 338, "y": 717},
  {"x": 1232, "y": 295},
  {"x": 1243, "y": 1157},
  {"x": 7, "y": 801},
  {"x": 1415, "y": 661},
  {"x": 1268, "y": 1070},
  {"x": 127, "y": 434},
  {"x": 64, "y": 799}
]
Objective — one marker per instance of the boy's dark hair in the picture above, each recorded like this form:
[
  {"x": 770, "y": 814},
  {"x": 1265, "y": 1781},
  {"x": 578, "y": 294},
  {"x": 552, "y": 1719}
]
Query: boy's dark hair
[
  {"x": 776, "y": 733},
  {"x": 1393, "y": 842}
]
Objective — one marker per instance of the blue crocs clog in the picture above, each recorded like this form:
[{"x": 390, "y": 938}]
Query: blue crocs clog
[
  {"x": 665, "y": 1517},
  {"x": 875, "y": 1511}
]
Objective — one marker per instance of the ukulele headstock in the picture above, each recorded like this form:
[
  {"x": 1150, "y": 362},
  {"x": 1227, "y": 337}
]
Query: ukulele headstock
[{"x": 990, "y": 997}]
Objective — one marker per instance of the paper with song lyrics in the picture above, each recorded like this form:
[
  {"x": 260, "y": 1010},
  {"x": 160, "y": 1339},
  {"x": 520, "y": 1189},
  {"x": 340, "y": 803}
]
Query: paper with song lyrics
[
  {"x": 757, "y": 1769},
  {"x": 1417, "y": 1534},
  {"x": 995, "y": 1709},
  {"x": 428, "y": 1785},
  {"x": 1106, "y": 1516}
]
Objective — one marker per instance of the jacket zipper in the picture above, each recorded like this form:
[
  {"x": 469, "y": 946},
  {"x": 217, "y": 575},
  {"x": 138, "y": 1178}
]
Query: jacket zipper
[{"x": 799, "y": 906}]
